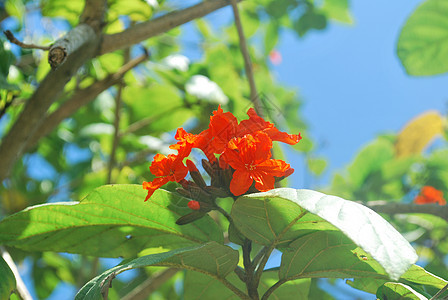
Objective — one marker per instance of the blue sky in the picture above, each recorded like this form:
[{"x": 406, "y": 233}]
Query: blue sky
[{"x": 352, "y": 82}]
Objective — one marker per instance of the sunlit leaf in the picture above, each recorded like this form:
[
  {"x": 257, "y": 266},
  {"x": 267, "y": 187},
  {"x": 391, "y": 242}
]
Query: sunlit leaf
[
  {"x": 418, "y": 133},
  {"x": 283, "y": 215},
  {"x": 337, "y": 10},
  {"x": 111, "y": 221},
  {"x": 422, "y": 46},
  {"x": 212, "y": 259}
]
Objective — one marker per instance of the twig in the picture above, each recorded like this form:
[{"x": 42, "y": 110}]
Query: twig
[
  {"x": 145, "y": 30},
  {"x": 21, "y": 287},
  {"x": 146, "y": 121},
  {"x": 116, "y": 138},
  {"x": 247, "y": 61},
  {"x": 151, "y": 284},
  {"x": 14, "y": 40}
]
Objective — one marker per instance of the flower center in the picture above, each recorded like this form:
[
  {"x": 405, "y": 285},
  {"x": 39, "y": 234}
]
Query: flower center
[{"x": 250, "y": 167}]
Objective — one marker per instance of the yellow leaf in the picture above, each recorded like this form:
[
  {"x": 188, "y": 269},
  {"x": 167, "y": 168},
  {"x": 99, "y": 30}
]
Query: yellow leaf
[{"x": 418, "y": 133}]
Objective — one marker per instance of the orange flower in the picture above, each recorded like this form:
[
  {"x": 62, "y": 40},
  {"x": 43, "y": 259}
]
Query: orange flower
[
  {"x": 257, "y": 123},
  {"x": 223, "y": 127},
  {"x": 187, "y": 141},
  {"x": 250, "y": 157},
  {"x": 428, "y": 195},
  {"x": 166, "y": 169}
]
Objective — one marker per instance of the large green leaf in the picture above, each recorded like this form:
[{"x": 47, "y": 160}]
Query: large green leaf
[
  {"x": 423, "y": 44},
  {"x": 7, "y": 280},
  {"x": 327, "y": 254},
  {"x": 111, "y": 221},
  {"x": 392, "y": 290},
  {"x": 212, "y": 259},
  {"x": 201, "y": 286},
  {"x": 283, "y": 215}
]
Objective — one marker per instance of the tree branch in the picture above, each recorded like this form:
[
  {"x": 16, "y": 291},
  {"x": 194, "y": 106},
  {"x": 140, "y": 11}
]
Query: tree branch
[
  {"x": 392, "y": 208},
  {"x": 72, "y": 41},
  {"x": 81, "y": 98},
  {"x": 13, "y": 144},
  {"x": 13, "y": 40},
  {"x": 247, "y": 61},
  {"x": 145, "y": 30},
  {"x": 116, "y": 137}
]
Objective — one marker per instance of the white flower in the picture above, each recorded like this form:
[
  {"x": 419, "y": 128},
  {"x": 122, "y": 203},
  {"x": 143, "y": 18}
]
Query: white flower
[
  {"x": 203, "y": 88},
  {"x": 153, "y": 3},
  {"x": 177, "y": 61}
]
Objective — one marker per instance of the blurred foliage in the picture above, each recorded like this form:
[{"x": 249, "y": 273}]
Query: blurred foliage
[
  {"x": 422, "y": 46},
  {"x": 393, "y": 168}
]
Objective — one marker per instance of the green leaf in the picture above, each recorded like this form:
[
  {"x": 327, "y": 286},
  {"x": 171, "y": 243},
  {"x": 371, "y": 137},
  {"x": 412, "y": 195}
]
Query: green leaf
[
  {"x": 280, "y": 216},
  {"x": 369, "y": 160},
  {"x": 136, "y": 10},
  {"x": 337, "y": 10},
  {"x": 417, "y": 274},
  {"x": 70, "y": 10},
  {"x": 111, "y": 221},
  {"x": 271, "y": 36},
  {"x": 316, "y": 165},
  {"x": 422, "y": 46},
  {"x": 212, "y": 259},
  {"x": 327, "y": 254},
  {"x": 8, "y": 281},
  {"x": 391, "y": 291},
  {"x": 201, "y": 286}
]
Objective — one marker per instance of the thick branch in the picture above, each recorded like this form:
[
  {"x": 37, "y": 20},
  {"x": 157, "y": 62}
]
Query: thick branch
[
  {"x": 66, "y": 46},
  {"x": 13, "y": 144},
  {"x": 145, "y": 30},
  {"x": 81, "y": 98},
  {"x": 392, "y": 208}
]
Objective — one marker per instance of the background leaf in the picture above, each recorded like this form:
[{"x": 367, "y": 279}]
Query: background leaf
[
  {"x": 422, "y": 46},
  {"x": 418, "y": 133}
]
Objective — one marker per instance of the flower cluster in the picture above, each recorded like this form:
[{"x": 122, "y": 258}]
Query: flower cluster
[
  {"x": 429, "y": 195},
  {"x": 238, "y": 158}
]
